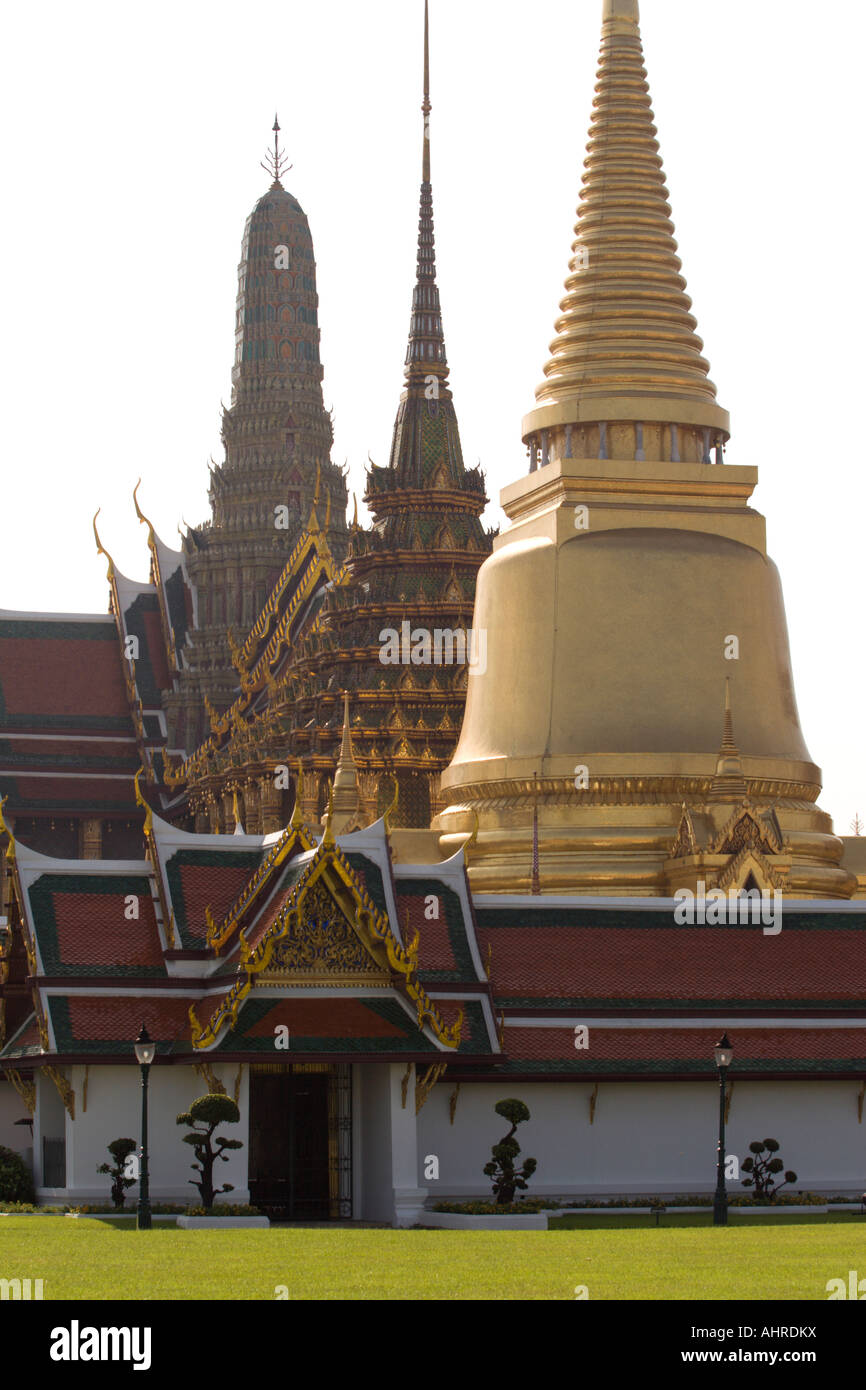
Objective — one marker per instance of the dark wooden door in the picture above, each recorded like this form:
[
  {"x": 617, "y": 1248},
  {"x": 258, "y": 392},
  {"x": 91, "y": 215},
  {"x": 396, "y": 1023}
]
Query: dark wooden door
[{"x": 289, "y": 1145}]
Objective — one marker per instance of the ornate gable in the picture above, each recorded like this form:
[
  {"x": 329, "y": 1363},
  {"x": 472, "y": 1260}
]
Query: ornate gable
[{"x": 747, "y": 830}]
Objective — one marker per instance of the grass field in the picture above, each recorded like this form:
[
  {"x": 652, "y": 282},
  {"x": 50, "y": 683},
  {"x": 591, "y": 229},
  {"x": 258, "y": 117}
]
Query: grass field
[{"x": 625, "y": 1258}]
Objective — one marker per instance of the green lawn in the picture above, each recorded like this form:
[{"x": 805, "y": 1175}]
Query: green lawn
[{"x": 626, "y": 1258}]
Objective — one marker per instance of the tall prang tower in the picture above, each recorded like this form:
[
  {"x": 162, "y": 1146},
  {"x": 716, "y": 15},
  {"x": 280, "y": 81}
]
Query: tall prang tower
[
  {"x": 278, "y": 437},
  {"x": 321, "y": 685}
]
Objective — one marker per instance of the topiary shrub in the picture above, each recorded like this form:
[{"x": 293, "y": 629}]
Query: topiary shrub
[
  {"x": 763, "y": 1169},
  {"x": 207, "y": 1112},
  {"x": 120, "y": 1149},
  {"x": 506, "y": 1178},
  {"x": 16, "y": 1180}
]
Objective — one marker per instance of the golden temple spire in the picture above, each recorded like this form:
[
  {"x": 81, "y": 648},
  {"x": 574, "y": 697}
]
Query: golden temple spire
[
  {"x": 346, "y": 792},
  {"x": 729, "y": 783},
  {"x": 626, "y": 346},
  {"x": 622, "y": 14},
  {"x": 236, "y": 812}
]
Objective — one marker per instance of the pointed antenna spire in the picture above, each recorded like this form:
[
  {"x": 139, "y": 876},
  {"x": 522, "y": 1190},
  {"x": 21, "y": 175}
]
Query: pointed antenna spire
[
  {"x": 426, "y": 108},
  {"x": 425, "y": 356},
  {"x": 536, "y": 876},
  {"x": 236, "y": 812},
  {"x": 276, "y": 163}
]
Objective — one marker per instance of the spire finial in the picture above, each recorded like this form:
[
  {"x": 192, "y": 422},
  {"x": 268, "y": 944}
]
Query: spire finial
[
  {"x": 426, "y": 108},
  {"x": 275, "y": 163},
  {"x": 621, "y": 12},
  {"x": 729, "y": 782},
  {"x": 426, "y": 352}
]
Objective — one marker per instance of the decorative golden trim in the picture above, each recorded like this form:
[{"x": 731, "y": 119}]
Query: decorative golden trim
[
  {"x": 209, "y": 1077},
  {"x": 472, "y": 838},
  {"x": 452, "y": 1102},
  {"x": 26, "y": 1089},
  {"x": 293, "y": 840},
  {"x": 392, "y": 808},
  {"x": 424, "y": 1085},
  {"x": 371, "y": 926},
  {"x": 140, "y": 801},
  {"x": 404, "y": 1084},
  {"x": 41, "y": 1024},
  {"x": 593, "y": 1101},
  {"x": 328, "y": 838},
  {"x": 65, "y": 1091},
  {"x": 100, "y": 549}
]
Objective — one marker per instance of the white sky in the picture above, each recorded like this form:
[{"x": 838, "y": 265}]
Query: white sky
[{"x": 132, "y": 145}]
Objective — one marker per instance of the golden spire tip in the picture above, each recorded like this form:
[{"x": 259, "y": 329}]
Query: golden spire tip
[{"x": 626, "y": 11}]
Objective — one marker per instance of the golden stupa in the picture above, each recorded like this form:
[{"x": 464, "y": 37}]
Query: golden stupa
[{"x": 633, "y": 589}]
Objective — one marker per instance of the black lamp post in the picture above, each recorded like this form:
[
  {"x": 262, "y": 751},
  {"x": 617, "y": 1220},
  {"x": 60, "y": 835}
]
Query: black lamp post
[
  {"x": 724, "y": 1055},
  {"x": 145, "y": 1050}
]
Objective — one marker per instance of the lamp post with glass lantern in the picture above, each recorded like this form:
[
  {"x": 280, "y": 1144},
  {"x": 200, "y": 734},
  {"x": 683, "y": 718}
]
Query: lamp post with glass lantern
[
  {"x": 724, "y": 1055},
  {"x": 145, "y": 1051}
]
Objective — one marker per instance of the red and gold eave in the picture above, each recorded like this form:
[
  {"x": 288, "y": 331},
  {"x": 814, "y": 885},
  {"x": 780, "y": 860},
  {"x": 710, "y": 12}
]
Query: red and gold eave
[{"x": 79, "y": 968}]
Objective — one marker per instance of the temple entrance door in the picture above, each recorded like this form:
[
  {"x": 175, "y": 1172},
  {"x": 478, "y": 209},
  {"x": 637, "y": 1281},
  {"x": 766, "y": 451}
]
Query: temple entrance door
[{"x": 294, "y": 1143}]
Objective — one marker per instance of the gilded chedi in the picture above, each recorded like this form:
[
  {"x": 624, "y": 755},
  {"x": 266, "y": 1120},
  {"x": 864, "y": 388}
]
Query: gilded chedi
[{"x": 632, "y": 584}]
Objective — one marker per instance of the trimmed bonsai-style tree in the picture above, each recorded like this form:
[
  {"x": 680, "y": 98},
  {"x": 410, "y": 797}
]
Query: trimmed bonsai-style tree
[
  {"x": 16, "y": 1180},
  {"x": 763, "y": 1169},
  {"x": 506, "y": 1178},
  {"x": 120, "y": 1149},
  {"x": 203, "y": 1117}
]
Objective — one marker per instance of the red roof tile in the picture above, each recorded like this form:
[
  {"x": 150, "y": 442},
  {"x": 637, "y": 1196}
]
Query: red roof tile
[
  {"x": 101, "y": 1018},
  {"x": 601, "y": 963},
  {"x": 92, "y": 929},
  {"x": 435, "y": 950},
  {"x": 62, "y": 676},
  {"x": 326, "y": 1018},
  {"x": 648, "y": 1045}
]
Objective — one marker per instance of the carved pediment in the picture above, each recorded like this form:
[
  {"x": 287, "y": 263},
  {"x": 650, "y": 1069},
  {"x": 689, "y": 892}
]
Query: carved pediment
[
  {"x": 750, "y": 870},
  {"x": 320, "y": 946},
  {"x": 686, "y": 843},
  {"x": 747, "y": 830}
]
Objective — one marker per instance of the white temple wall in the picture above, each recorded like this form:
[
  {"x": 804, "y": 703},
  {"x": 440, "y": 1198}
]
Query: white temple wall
[
  {"x": 12, "y": 1108},
  {"x": 387, "y": 1145},
  {"x": 373, "y": 1107},
  {"x": 114, "y": 1112},
  {"x": 646, "y": 1136}
]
